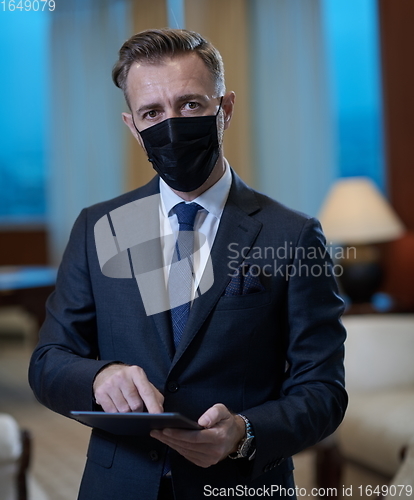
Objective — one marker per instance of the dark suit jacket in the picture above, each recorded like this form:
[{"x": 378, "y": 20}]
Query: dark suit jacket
[{"x": 275, "y": 355}]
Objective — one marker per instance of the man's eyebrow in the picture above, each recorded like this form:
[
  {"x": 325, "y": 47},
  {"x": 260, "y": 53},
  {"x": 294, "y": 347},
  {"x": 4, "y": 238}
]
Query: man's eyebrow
[
  {"x": 192, "y": 97},
  {"x": 182, "y": 98},
  {"x": 146, "y": 107}
]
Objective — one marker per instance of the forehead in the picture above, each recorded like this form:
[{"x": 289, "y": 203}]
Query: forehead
[{"x": 168, "y": 79}]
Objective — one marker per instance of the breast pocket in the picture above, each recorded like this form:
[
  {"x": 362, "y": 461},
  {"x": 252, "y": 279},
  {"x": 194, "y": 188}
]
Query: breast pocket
[{"x": 249, "y": 301}]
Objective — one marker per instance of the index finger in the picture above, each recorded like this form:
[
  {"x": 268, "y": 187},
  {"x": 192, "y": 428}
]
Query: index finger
[{"x": 149, "y": 394}]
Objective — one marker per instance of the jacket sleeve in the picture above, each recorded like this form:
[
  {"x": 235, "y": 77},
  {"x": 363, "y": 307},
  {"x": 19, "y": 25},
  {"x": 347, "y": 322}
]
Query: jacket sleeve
[
  {"x": 65, "y": 361},
  {"x": 313, "y": 398}
]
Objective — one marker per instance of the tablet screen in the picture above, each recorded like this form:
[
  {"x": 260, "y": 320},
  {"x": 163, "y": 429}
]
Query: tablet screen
[{"x": 133, "y": 423}]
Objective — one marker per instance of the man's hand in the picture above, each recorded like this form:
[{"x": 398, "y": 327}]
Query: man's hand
[
  {"x": 122, "y": 388},
  {"x": 221, "y": 436}
]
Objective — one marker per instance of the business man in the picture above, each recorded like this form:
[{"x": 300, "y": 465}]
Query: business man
[{"x": 193, "y": 294}]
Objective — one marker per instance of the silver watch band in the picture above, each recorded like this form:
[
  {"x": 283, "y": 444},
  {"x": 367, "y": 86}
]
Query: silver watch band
[{"x": 246, "y": 448}]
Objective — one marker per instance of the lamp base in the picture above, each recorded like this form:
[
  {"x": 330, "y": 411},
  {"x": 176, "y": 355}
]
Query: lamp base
[{"x": 362, "y": 276}]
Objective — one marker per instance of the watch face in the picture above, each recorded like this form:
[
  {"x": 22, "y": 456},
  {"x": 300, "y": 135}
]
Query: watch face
[{"x": 244, "y": 450}]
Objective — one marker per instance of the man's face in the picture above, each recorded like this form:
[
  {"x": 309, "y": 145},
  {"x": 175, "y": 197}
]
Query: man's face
[{"x": 179, "y": 86}]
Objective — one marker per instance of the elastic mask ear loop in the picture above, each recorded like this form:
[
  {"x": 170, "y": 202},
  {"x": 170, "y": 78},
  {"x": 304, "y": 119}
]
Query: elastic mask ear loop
[
  {"x": 133, "y": 121},
  {"x": 221, "y": 100}
]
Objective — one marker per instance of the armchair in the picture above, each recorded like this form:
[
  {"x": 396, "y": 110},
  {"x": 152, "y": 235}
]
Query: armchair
[{"x": 379, "y": 423}]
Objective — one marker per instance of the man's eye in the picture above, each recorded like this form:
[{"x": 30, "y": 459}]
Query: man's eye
[
  {"x": 192, "y": 105},
  {"x": 151, "y": 114}
]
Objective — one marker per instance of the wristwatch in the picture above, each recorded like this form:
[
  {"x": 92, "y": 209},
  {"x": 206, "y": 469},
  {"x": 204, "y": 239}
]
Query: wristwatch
[{"x": 246, "y": 448}]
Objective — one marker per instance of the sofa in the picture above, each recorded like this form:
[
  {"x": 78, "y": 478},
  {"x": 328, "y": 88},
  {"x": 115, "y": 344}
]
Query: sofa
[{"x": 378, "y": 429}]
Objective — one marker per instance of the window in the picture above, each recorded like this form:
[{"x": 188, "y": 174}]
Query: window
[
  {"x": 24, "y": 96},
  {"x": 352, "y": 41}
]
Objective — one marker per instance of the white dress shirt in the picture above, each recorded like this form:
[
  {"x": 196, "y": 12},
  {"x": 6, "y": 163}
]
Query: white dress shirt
[{"x": 206, "y": 222}]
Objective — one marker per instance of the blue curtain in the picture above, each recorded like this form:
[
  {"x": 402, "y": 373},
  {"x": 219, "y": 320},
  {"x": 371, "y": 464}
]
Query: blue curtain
[
  {"x": 316, "y": 97},
  {"x": 352, "y": 40},
  {"x": 87, "y": 146},
  {"x": 24, "y": 88},
  {"x": 295, "y": 157},
  {"x": 176, "y": 13}
]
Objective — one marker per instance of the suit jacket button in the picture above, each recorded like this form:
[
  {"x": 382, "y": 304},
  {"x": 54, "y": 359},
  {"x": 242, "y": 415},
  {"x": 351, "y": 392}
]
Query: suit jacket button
[
  {"x": 172, "y": 386},
  {"x": 154, "y": 455}
]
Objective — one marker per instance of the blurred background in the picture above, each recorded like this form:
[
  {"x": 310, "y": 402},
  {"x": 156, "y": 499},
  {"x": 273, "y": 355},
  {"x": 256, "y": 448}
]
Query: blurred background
[{"x": 323, "y": 95}]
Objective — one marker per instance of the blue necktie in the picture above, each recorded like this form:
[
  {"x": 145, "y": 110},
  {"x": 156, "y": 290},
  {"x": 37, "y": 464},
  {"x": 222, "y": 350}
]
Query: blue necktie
[{"x": 180, "y": 282}]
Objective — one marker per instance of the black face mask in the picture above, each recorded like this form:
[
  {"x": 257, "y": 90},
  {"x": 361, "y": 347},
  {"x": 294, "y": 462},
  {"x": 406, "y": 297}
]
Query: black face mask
[{"x": 183, "y": 150}]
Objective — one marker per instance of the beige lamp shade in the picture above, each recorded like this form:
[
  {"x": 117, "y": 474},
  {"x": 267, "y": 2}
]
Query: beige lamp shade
[{"x": 355, "y": 212}]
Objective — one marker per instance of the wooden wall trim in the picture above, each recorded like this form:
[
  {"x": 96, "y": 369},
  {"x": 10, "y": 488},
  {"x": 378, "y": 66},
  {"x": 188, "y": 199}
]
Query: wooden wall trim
[{"x": 397, "y": 45}]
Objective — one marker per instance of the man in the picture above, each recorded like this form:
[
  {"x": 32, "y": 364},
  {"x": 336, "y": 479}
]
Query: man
[{"x": 255, "y": 351}]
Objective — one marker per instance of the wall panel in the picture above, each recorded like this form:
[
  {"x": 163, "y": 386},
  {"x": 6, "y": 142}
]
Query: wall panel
[{"x": 397, "y": 43}]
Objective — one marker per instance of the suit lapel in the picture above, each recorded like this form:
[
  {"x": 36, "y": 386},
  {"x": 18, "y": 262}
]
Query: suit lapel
[
  {"x": 237, "y": 227},
  {"x": 162, "y": 320},
  {"x": 154, "y": 260}
]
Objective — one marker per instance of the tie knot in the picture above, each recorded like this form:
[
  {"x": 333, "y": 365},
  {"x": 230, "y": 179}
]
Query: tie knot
[{"x": 186, "y": 214}]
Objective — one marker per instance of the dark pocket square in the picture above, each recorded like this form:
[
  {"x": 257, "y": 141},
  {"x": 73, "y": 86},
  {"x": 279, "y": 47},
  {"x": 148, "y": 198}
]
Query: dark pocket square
[{"x": 243, "y": 282}]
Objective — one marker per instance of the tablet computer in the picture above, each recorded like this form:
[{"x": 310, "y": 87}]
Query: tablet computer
[{"x": 134, "y": 423}]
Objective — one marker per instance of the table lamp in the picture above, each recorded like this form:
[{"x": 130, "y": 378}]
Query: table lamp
[{"x": 356, "y": 215}]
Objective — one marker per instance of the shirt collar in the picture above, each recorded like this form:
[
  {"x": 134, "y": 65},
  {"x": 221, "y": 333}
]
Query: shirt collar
[{"x": 213, "y": 200}]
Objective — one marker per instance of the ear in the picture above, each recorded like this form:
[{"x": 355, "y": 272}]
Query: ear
[
  {"x": 127, "y": 119},
  {"x": 228, "y": 107}
]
